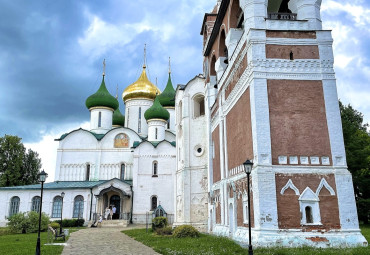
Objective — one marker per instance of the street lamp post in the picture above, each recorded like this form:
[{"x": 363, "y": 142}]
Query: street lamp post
[
  {"x": 61, "y": 213},
  {"x": 248, "y": 169},
  {"x": 42, "y": 177}
]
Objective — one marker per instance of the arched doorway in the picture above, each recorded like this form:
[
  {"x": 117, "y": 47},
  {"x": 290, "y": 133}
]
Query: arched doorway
[{"x": 116, "y": 201}]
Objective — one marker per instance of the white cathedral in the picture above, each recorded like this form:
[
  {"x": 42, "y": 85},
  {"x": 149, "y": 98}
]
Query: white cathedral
[{"x": 267, "y": 94}]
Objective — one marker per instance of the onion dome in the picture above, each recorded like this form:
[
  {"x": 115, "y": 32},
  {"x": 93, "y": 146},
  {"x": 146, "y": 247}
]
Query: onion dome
[
  {"x": 102, "y": 98},
  {"x": 142, "y": 88},
  {"x": 118, "y": 118},
  {"x": 167, "y": 97},
  {"x": 156, "y": 111}
]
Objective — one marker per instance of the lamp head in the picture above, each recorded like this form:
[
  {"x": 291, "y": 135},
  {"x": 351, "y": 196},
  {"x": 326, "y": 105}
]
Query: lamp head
[
  {"x": 42, "y": 176},
  {"x": 62, "y": 195},
  {"x": 248, "y": 166}
]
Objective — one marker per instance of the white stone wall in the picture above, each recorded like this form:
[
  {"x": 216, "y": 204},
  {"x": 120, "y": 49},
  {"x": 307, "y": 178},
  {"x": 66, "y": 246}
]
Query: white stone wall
[
  {"x": 156, "y": 130},
  {"x": 81, "y": 148},
  {"x": 132, "y": 115},
  {"x": 106, "y": 119},
  {"x": 145, "y": 185},
  {"x": 191, "y": 180},
  {"x": 47, "y": 205},
  {"x": 172, "y": 119}
]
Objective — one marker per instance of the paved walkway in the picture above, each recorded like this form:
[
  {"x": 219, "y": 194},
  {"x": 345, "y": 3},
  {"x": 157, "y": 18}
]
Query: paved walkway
[{"x": 105, "y": 241}]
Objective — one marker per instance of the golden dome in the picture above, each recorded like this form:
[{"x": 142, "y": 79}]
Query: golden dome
[{"x": 142, "y": 88}]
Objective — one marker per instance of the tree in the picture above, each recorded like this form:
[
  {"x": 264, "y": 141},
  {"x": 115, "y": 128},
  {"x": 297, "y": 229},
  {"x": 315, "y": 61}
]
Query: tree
[
  {"x": 357, "y": 144},
  {"x": 17, "y": 167}
]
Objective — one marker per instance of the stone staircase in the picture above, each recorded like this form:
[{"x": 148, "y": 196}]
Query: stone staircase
[{"x": 112, "y": 223}]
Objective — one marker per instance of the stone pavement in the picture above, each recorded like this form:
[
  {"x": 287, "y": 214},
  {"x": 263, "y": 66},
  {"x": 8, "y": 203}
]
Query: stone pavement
[{"x": 105, "y": 241}]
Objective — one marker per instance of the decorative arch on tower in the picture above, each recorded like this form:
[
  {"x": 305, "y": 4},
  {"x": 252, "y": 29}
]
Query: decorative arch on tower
[{"x": 236, "y": 17}]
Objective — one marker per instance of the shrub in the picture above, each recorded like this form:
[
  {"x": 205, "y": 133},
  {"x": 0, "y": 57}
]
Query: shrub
[
  {"x": 70, "y": 223},
  {"x": 166, "y": 231},
  {"x": 27, "y": 222},
  {"x": 18, "y": 223},
  {"x": 185, "y": 231},
  {"x": 159, "y": 222},
  {"x": 34, "y": 221}
]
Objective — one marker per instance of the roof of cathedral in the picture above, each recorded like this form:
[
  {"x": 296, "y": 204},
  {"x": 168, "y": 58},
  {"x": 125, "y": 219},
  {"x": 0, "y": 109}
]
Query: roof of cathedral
[
  {"x": 142, "y": 88},
  {"x": 97, "y": 136},
  {"x": 62, "y": 185},
  {"x": 155, "y": 144},
  {"x": 102, "y": 97},
  {"x": 156, "y": 111},
  {"x": 167, "y": 97},
  {"x": 118, "y": 118}
]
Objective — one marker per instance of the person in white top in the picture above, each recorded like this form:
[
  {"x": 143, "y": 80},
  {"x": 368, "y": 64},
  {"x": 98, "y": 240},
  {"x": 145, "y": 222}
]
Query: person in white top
[{"x": 114, "y": 209}]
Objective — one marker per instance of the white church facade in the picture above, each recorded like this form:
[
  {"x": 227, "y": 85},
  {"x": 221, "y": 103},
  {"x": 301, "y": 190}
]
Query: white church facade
[{"x": 267, "y": 94}]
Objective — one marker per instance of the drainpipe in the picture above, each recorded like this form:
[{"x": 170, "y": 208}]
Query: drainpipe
[
  {"x": 132, "y": 203},
  {"x": 91, "y": 202}
]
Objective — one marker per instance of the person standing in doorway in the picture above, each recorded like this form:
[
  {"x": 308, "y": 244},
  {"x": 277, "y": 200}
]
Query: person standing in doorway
[
  {"x": 114, "y": 209},
  {"x": 111, "y": 212}
]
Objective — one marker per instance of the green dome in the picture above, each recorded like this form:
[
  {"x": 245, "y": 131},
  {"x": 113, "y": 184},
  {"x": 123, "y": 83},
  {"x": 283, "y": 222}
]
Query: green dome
[
  {"x": 167, "y": 97},
  {"x": 102, "y": 98},
  {"x": 156, "y": 111},
  {"x": 118, "y": 118}
]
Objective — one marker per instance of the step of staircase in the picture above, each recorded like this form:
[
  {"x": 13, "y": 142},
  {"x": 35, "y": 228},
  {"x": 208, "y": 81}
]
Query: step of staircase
[{"x": 112, "y": 223}]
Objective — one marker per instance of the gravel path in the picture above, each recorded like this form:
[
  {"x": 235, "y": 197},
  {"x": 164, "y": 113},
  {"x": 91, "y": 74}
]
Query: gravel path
[{"x": 105, "y": 241}]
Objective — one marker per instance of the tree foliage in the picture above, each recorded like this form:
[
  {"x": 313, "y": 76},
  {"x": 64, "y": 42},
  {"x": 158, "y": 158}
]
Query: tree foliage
[
  {"x": 357, "y": 144},
  {"x": 17, "y": 166}
]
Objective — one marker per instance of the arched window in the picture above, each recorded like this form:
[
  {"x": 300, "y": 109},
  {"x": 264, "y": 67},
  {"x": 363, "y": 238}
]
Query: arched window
[
  {"x": 155, "y": 169},
  {"x": 198, "y": 104},
  {"x": 35, "y": 206},
  {"x": 87, "y": 177},
  {"x": 122, "y": 175},
  {"x": 309, "y": 218},
  {"x": 14, "y": 206},
  {"x": 153, "y": 203},
  {"x": 99, "y": 120},
  {"x": 57, "y": 207},
  {"x": 78, "y": 207},
  {"x": 236, "y": 15},
  {"x": 222, "y": 49}
]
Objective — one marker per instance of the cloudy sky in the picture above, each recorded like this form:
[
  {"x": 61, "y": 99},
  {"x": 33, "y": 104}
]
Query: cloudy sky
[{"x": 51, "y": 55}]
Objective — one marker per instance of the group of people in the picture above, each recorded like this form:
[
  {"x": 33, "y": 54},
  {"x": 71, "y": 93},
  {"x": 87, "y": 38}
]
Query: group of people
[{"x": 110, "y": 211}]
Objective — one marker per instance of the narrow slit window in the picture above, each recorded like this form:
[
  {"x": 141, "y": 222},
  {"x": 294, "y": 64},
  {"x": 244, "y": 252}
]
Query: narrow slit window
[
  {"x": 155, "y": 169},
  {"x": 87, "y": 177},
  {"x": 156, "y": 133},
  {"x": 139, "y": 121},
  {"x": 291, "y": 55},
  {"x": 122, "y": 177},
  {"x": 99, "y": 120}
]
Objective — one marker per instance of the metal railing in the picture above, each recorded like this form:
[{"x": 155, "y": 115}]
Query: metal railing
[{"x": 282, "y": 16}]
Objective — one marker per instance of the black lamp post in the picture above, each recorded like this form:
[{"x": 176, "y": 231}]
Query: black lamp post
[
  {"x": 61, "y": 213},
  {"x": 248, "y": 169},
  {"x": 42, "y": 177}
]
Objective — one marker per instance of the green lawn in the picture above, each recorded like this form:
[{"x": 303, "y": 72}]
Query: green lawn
[
  {"x": 24, "y": 244},
  {"x": 209, "y": 245}
]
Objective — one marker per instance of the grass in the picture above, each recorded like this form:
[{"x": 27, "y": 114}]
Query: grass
[
  {"x": 24, "y": 244},
  {"x": 212, "y": 245}
]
